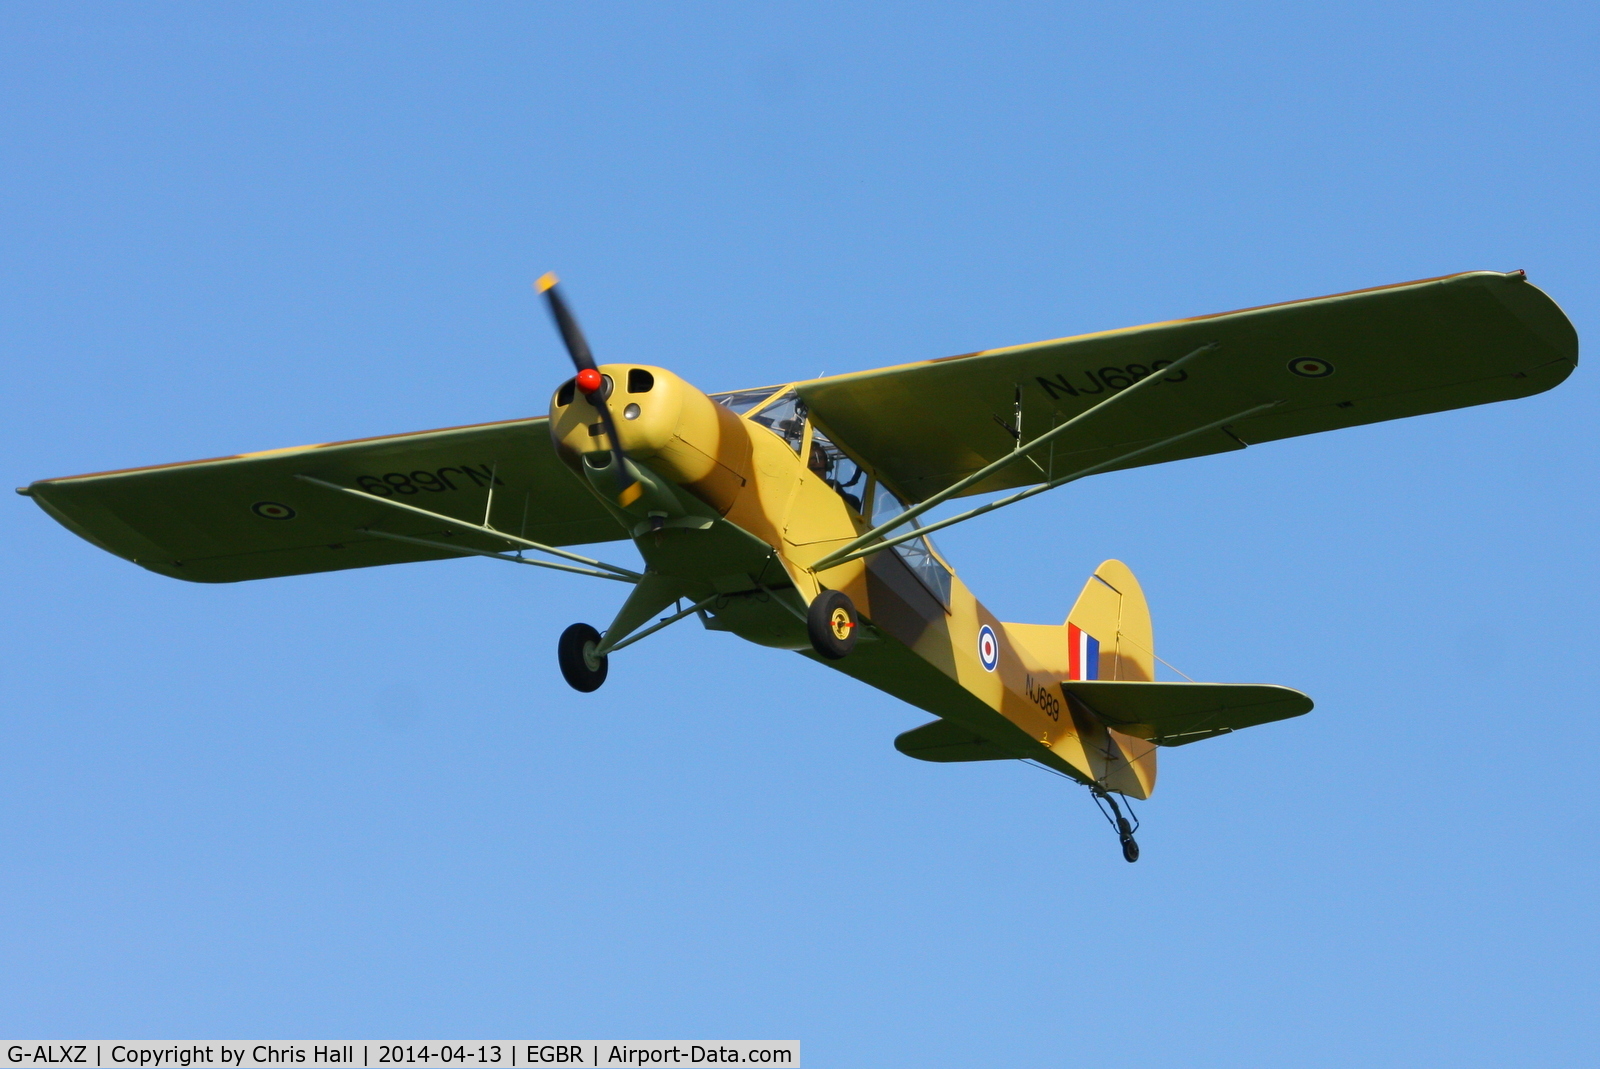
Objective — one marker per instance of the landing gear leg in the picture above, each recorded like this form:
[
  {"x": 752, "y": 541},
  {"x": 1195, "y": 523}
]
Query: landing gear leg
[{"x": 1125, "y": 828}]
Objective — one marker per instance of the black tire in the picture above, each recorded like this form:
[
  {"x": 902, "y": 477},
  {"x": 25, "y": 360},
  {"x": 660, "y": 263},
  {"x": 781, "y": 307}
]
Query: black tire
[
  {"x": 583, "y": 669},
  {"x": 1130, "y": 850},
  {"x": 832, "y": 623}
]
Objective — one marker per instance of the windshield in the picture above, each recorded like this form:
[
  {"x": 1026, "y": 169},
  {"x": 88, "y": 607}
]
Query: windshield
[
  {"x": 742, "y": 401},
  {"x": 785, "y": 417}
]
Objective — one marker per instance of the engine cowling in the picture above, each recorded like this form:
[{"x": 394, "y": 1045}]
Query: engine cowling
[{"x": 666, "y": 425}]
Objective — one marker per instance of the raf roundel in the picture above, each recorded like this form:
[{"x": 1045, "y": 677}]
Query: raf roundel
[
  {"x": 271, "y": 510},
  {"x": 1311, "y": 368},
  {"x": 988, "y": 648}
]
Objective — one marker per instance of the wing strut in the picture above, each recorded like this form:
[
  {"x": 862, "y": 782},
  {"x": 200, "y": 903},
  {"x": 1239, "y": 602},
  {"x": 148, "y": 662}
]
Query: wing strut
[
  {"x": 491, "y": 553},
  {"x": 490, "y": 532},
  {"x": 835, "y": 559},
  {"x": 845, "y": 552}
]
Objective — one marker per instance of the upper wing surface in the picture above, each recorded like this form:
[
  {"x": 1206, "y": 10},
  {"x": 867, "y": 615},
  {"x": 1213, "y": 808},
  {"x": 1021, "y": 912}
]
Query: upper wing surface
[
  {"x": 248, "y": 517},
  {"x": 1333, "y": 362}
]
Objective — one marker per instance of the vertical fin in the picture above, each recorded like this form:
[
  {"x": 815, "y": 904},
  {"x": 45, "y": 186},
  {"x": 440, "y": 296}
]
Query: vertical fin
[{"x": 1109, "y": 635}]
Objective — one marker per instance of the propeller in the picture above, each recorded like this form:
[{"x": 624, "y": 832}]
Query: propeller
[{"x": 590, "y": 383}]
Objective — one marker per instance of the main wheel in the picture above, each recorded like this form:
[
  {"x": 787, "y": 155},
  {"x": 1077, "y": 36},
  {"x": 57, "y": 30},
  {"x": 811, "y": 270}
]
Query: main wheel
[
  {"x": 1130, "y": 850},
  {"x": 831, "y": 621},
  {"x": 583, "y": 668}
]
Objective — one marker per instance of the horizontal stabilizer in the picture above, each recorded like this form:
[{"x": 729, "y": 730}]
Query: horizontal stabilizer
[
  {"x": 943, "y": 740},
  {"x": 1172, "y": 714}
]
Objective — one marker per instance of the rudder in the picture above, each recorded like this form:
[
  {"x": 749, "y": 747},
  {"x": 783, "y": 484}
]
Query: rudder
[{"x": 1109, "y": 637}]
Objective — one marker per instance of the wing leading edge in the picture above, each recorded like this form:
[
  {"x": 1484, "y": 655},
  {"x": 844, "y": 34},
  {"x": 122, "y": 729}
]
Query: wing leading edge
[
  {"x": 1338, "y": 361},
  {"x": 249, "y": 517}
]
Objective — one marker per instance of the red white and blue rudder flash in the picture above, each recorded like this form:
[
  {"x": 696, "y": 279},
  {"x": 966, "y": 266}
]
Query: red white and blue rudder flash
[{"x": 1083, "y": 654}]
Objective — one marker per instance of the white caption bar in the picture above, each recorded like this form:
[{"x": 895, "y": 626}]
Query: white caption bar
[{"x": 412, "y": 1054}]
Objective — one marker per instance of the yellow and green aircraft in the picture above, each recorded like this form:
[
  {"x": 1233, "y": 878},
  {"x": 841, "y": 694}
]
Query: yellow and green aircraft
[{"x": 789, "y": 515}]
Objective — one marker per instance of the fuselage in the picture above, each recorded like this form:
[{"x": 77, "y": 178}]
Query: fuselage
[{"x": 738, "y": 501}]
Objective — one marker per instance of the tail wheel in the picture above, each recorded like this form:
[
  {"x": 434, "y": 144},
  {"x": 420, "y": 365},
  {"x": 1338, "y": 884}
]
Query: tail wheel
[
  {"x": 583, "y": 668},
  {"x": 1107, "y": 803},
  {"x": 1130, "y": 849},
  {"x": 831, "y": 622}
]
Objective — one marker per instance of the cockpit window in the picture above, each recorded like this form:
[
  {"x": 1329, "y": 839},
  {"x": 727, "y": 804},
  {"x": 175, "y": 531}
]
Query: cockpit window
[
  {"x": 918, "y": 553},
  {"x": 742, "y": 401},
  {"x": 785, "y": 417},
  {"x": 836, "y": 469}
]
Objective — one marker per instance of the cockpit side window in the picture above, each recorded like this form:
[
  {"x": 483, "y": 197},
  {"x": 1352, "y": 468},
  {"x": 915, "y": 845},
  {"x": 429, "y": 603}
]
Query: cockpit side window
[
  {"x": 833, "y": 467},
  {"x": 918, "y": 553}
]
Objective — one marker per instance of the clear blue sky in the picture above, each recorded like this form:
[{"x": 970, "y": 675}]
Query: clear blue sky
[{"x": 364, "y": 804}]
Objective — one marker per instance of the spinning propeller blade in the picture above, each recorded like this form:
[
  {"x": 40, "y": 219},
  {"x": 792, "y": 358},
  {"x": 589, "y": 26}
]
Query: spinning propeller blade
[{"x": 590, "y": 383}]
